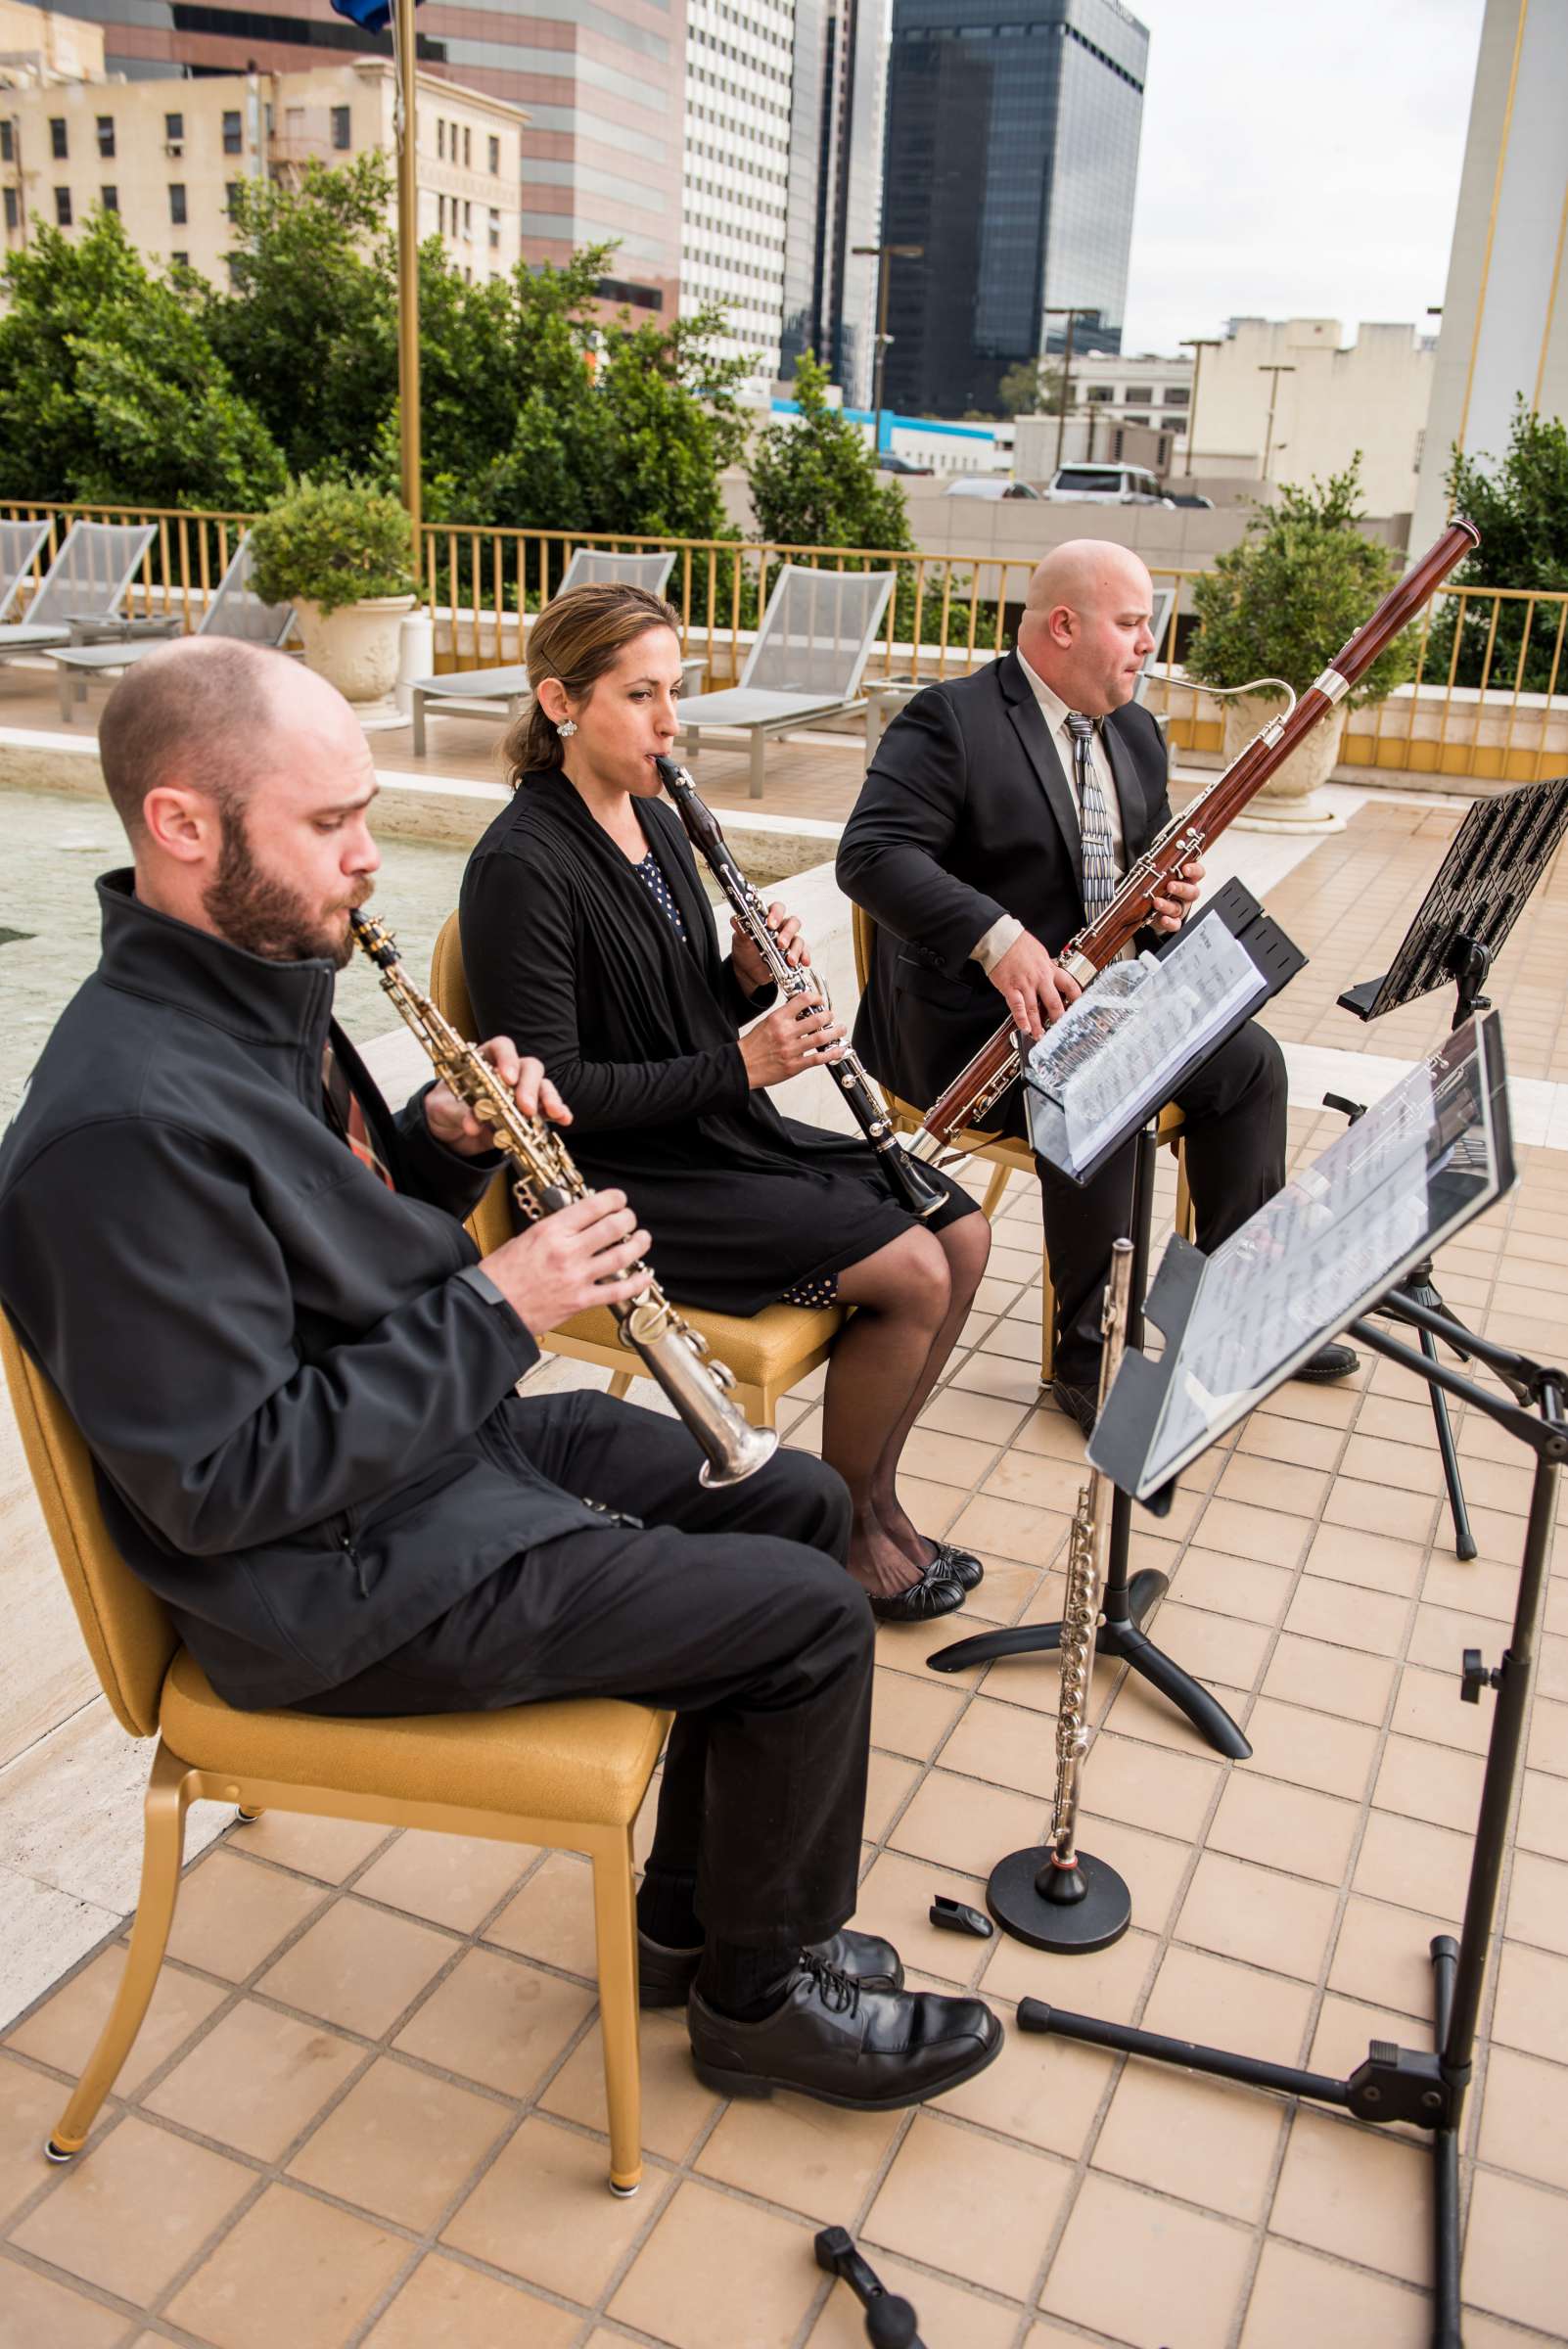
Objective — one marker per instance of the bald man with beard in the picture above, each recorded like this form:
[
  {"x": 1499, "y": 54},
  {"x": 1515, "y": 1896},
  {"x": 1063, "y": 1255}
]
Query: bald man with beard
[{"x": 966, "y": 849}]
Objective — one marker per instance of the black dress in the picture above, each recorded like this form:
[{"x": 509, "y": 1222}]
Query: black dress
[{"x": 569, "y": 950}]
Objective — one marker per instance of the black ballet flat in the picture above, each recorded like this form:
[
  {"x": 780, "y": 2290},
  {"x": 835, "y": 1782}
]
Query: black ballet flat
[
  {"x": 960, "y": 1566},
  {"x": 935, "y": 1593}
]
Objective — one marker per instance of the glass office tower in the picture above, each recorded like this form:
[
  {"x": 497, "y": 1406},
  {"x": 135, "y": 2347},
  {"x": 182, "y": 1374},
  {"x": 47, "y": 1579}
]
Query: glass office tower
[
  {"x": 1011, "y": 157},
  {"x": 835, "y": 139}
]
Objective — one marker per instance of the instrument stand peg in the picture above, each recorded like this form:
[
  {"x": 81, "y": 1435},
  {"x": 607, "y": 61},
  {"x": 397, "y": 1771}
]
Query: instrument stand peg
[{"x": 1127, "y": 1601}]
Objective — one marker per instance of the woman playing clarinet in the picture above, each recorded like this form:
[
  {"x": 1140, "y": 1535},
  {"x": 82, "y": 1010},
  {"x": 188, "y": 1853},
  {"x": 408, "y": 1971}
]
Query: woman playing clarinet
[{"x": 586, "y": 929}]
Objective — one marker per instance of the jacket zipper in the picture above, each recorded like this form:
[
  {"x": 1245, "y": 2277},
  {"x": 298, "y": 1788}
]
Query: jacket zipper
[{"x": 347, "y": 1543}]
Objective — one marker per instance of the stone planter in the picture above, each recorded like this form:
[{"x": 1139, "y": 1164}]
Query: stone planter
[
  {"x": 1291, "y": 800},
  {"x": 355, "y": 647}
]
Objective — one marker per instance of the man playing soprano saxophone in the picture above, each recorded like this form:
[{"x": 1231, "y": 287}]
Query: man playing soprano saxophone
[{"x": 249, "y": 1282}]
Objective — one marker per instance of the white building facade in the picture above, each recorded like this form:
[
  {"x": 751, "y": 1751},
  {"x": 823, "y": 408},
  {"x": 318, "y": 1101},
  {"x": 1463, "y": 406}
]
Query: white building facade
[{"x": 735, "y": 186}]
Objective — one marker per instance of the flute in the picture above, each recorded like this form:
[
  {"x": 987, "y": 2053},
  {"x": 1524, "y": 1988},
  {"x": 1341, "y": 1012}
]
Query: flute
[
  {"x": 909, "y": 1186},
  {"x": 983, "y": 1080}
]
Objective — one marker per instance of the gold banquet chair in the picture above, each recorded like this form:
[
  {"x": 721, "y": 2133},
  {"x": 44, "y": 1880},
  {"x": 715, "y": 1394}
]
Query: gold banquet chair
[
  {"x": 569, "y": 1774},
  {"x": 769, "y": 1352},
  {"x": 1006, "y": 1155}
]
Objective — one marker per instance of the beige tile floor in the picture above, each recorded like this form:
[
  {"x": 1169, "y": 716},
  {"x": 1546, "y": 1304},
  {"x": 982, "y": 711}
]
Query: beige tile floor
[{"x": 367, "y": 2103}]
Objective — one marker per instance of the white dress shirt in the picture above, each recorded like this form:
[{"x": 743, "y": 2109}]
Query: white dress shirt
[{"x": 988, "y": 949}]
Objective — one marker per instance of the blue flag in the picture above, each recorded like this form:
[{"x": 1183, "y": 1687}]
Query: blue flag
[{"x": 371, "y": 16}]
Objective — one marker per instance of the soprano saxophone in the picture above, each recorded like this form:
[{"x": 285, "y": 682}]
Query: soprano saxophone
[
  {"x": 909, "y": 1182},
  {"x": 1088, "y": 1551},
  {"x": 544, "y": 1181}
]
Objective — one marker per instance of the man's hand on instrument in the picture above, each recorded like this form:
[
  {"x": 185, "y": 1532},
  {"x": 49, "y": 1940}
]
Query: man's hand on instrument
[
  {"x": 581, "y": 1256},
  {"x": 1176, "y": 898},
  {"x": 454, "y": 1125},
  {"x": 750, "y": 968},
  {"x": 1034, "y": 990},
  {"x": 793, "y": 1037}
]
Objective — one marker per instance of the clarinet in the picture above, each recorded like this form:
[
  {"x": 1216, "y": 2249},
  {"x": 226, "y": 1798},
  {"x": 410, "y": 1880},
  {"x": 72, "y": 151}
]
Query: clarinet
[
  {"x": 544, "y": 1181},
  {"x": 909, "y": 1184},
  {"x": 983, "y": 1080}
]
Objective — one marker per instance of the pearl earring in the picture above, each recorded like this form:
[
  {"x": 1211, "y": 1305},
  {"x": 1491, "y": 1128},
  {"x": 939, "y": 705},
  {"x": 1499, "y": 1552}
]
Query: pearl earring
[{"x": 567, "y": 728}]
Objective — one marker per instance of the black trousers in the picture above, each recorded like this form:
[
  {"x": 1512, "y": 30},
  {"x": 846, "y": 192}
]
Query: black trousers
[
  {"x": 731, "y": 1608},
  {"x": 1234, "y": 1108}
]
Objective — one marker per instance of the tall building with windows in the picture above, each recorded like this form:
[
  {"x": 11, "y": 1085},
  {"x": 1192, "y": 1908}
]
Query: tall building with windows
[
  {"x": 1011, "y": 157},
  {"x": 834, "y": 192},
  {"x": 739, "y": 70},
  {"x": 602, "y": 82}
]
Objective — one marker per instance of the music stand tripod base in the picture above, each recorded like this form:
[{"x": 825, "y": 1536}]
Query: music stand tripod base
[{"x": 1071, "y": 1928}]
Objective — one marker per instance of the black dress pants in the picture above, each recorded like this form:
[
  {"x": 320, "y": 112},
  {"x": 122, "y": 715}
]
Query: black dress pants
[
  {"x": 1234, "y": 1107},
  {"x": 729, "y": 1607}
]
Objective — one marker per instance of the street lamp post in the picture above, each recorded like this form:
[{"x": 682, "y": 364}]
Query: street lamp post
[
  {"x": 1274, "y": 374},
  {"x": 1197, "y": 344},
  {"x": 1067, "y": 375},
  {"x": 408, "y": 271},
  {"x": 882, "y": 254}
]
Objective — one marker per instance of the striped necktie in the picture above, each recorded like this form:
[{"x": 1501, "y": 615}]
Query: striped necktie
[
  {"x": 1093, "y": 822},
  {"x": 347, "y": 1118}
]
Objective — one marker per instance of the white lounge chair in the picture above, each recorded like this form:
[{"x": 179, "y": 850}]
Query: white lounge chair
[
  {"x": 86, "y": 581},
  {"x": 236, "y": 609},
  {"x": 807, "y": 663},
  {"x": 19, "y": 542},
  {"x": 503, "y": 691}
]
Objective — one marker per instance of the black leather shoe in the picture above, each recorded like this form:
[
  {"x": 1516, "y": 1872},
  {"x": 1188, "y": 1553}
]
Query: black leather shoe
[
  {"x": 935, "y": 1593},
  {"x": 874, "y": 2050},
  {"x": 1079, "y": 1404},
  {"x": 664, "y": 1976},
  {"x": 961, "y": 1566},
  {"x": 1329, "y": 1363}
]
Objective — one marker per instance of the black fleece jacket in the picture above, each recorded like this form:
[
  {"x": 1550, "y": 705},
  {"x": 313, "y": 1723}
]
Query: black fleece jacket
[{"x": 296, "y": 1391}]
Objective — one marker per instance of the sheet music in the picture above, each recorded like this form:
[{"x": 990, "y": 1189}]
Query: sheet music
[{"x": 1124, "y": 1041}]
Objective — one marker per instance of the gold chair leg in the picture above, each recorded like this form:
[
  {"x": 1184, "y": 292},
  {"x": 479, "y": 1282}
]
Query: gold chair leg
[
  {"x": 1186, "y": 1222},
  {"x": 1047, "y": 1324},
  {"x": 995, "y": 1189},
  {"x": 620, "y": 1383},
  {"x": 162, "y": 1846},
  {"x": 615, "y": 1917}
]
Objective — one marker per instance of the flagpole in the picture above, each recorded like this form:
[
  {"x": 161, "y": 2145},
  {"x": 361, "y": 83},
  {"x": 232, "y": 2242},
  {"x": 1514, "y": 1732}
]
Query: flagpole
[{"x": 408, "y": 268}]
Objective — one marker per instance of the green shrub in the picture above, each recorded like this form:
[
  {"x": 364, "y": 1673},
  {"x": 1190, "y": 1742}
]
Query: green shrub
[
  {"x": 331, "y": 543},
  {"x": 1283, "y": 602}
]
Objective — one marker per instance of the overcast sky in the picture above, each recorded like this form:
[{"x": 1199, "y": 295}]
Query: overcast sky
[{"x": 1297, "y": 161}]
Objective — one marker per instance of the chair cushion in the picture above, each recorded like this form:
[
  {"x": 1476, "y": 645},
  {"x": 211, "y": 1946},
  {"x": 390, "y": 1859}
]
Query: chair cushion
[
  {"x": 760, "y": 1348},
  {"x": 586, "y": 1760}
]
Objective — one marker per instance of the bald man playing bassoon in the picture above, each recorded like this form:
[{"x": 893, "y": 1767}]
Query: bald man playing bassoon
[{"x": 967, "y": 848}]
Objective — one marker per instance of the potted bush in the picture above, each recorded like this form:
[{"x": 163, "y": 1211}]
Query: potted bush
[
  {"x": 1281, "y": 605},
  {"x": 339, "y": 552}
]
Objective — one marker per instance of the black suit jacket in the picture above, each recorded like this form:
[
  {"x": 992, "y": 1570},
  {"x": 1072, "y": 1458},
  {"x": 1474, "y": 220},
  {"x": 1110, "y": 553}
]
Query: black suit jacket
[{"x": 967, "y": 814}]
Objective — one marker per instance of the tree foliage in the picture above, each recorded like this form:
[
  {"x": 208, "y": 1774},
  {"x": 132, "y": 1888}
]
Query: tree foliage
[
  {"x": 110, "y": 390},
  {"x": 1032, "y": 388},
  {"x": 1302, "y": 580},
  {"x": 814, "y": 478},
  {"x": 1520, "y": 507}
]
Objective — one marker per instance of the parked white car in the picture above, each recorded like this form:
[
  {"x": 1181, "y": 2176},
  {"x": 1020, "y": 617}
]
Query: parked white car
[{"x": 1105, "y": 485}]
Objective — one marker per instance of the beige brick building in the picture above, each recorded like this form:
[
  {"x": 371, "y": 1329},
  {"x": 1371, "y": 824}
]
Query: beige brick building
[{"x": 167, "y": 154}]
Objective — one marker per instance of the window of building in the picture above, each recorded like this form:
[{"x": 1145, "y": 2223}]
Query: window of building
[
  {"x": 1177, "y": 396},
  {"x": 467, "y": 147},
  {"x": 1138, "y": 395},
  {"x": 12, "y": 209},
  {"x": 8, "y": 153},
  {"x": 174, "y": 127},
  {"x": 342, "y": 137},
  {"x": 176, "y": 201},
  {"x": 57, "y": 138},
  {"x": 1135, "y": 420},
  {"x": 180, "y": 260},
  {"x": 108, "y": 197},
  {"x": 495, "y": 157},
  {"x": 440, "y": 214},
  {"x": 441, "y": 138},
  {"x": 496, "y": 229},
  {"x": 63, "y": 214},
  {"x": 231, "y": 189},
  {"x": 1099, "y": 392},
  {"x": 233, "y": 139},
  {"x": 106, "y": 135},
  {"x": 231, "y": 261}
]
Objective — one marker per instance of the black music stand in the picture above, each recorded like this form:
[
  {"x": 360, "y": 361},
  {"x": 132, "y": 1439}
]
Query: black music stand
[
  {"x": 1494, "y": 863},
  {"x": 1129, "y": 1599},
  {"x": 889, "y": 2321},
  {"x": 1315, "y": 1242}
]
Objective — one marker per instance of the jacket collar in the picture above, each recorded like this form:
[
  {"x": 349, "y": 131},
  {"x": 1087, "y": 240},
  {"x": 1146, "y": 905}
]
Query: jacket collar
[{"x": 154, "y": 954}]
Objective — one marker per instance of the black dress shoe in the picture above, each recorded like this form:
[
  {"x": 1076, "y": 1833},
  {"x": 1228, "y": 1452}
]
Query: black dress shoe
[
  {"x": 935, "y": 1593},
  {"x": 874, "y": 2050},
  {"x": 1078, "y": 1403},
  {"x": 961, "y": 1566},
  {"x": 664, "y": 1976},
  {"x": 1329, "y": 1363}
]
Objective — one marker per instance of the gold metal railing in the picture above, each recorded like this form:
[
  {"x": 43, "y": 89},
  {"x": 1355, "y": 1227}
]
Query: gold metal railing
[{"x": 1489, "y": 700}]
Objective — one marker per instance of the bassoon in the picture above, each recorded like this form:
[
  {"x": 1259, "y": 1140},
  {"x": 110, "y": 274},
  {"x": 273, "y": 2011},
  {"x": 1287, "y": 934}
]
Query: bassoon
[
  {"x": 910, "y": 1186},
  {"x": 997, "y": 1065}
]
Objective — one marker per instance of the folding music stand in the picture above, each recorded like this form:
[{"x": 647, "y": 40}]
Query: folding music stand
[
  {"x": 1427, "y": 1159},
  {"x": 1494, "y": 863},
  {"x": 1127, "y": 1601}
]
